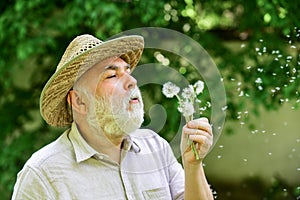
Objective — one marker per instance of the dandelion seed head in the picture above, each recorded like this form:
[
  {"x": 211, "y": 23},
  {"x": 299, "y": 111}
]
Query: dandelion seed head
[
  {"x": 188, "y": 92},
  {"x": 170, "y": 89},
  {"x": 186, "y": 108},
  {"x": 199, "y": 86}
]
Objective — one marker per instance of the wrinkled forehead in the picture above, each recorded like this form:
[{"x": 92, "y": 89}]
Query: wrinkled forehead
[
  {"x": 93, "y": 75},
  {"x": 100, "y": 67}
]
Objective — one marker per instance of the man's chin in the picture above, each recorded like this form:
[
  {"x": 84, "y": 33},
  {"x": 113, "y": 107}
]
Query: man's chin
[
  {"x": 118, "y": 128},
  {"x": 131, "y": 126}
]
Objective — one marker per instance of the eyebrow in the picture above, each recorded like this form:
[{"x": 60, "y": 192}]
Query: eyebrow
[{"x": 115, "y": 67}]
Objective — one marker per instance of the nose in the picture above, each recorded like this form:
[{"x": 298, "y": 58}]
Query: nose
[{"x": 129, "y": 82}]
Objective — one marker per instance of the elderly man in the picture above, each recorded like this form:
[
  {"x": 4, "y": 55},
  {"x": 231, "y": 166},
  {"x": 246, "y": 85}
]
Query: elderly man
[{"x": 104, "y": 154}]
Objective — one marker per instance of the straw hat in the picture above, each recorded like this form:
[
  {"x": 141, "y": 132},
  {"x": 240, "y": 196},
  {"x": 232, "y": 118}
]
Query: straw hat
[{"x": 82, "y": 53}]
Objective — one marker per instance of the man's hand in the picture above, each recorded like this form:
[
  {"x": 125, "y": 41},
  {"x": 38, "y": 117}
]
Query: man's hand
[{"x": 199, "y": 131}]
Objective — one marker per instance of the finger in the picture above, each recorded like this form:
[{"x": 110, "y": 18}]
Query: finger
[
  {"x": 204, "y": 119},
  {"x": 189, "y": 131},
  {"x": 200, "y": 125},
  {"x": 201, "y": 139}
]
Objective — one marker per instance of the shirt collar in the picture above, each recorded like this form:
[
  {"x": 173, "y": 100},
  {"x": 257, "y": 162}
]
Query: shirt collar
[
  {"x": 130, "y": 145},
  {"x": 84, "y": 151}
]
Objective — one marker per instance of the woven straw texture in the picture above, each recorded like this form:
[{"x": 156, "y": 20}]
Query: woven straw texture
[{"x": 82, "y": 53}]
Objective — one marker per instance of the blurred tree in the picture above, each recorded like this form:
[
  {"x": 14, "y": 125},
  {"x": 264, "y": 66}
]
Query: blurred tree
[{"x": 254, "y": 44}]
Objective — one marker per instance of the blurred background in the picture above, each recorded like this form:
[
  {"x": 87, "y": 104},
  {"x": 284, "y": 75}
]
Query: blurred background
[{"x": 255, "y": 45}]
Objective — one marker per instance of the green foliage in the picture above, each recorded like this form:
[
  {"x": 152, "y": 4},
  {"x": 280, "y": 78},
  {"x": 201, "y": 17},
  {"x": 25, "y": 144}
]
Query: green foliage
[{"x": 34, "y": 34}]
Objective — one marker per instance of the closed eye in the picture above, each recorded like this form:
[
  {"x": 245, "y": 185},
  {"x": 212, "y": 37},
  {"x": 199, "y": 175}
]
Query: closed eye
[{"x": 111, "y": 76}]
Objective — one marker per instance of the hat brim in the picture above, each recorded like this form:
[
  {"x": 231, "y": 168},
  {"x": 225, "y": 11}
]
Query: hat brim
[{"x": 53, "y": 101}]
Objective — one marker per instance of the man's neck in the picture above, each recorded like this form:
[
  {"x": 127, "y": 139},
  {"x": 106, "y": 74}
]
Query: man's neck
[{"x": 103, "y": 143}]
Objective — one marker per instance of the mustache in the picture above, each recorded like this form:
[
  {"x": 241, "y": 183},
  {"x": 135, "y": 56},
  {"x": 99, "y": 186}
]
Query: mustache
[
  {"x": 113, "y": 103},
  {"x": 135, "y": 93}
]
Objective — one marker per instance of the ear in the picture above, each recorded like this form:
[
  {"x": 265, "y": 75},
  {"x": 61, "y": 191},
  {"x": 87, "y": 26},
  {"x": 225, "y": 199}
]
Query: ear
[{"x": 76, "y": 101}]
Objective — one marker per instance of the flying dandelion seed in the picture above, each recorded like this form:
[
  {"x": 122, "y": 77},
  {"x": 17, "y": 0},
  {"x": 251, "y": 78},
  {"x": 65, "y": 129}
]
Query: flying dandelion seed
[
  {"x": 224, "y": 108},
  {"x": 260, "y": 70},
  {"x": 258, "y": 80},
  {"x": 264, "y": 49}
]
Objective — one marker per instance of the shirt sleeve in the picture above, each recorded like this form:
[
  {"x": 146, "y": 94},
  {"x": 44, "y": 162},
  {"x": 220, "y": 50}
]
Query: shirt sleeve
[{"x": 31, "y": 185}]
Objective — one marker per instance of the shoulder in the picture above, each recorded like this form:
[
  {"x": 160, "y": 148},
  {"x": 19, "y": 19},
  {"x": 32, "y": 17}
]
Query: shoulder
[
  {"x": 35, "y": 176},
  {"x": 147, "y": 134},
  {"x": 51, "y": 152}
]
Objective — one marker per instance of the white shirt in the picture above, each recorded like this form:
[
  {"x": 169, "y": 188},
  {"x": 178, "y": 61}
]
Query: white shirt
[{"x": 69, "y": 168}]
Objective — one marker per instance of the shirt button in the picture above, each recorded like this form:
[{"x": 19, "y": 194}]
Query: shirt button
[{"x": 101, "y": 157}]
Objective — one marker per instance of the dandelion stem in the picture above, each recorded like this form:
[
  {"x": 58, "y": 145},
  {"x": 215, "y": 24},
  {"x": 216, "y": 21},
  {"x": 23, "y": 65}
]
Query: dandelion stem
[
  {"x": 186, "y": 104},
  {"x": 192, "y": 143}
]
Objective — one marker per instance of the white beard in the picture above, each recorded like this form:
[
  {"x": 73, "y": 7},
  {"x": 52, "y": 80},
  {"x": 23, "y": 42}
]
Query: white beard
[{"x": 116, "y": 116}]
